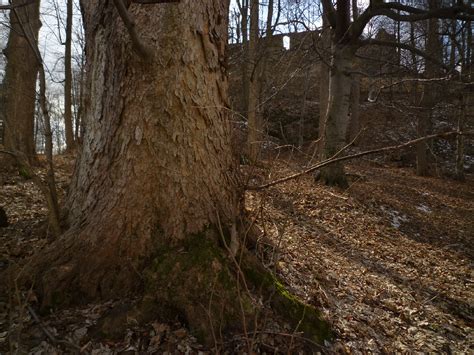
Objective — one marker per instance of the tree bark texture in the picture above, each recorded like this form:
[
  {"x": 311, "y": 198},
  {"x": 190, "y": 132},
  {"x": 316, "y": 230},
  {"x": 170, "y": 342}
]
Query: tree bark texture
[
  {"x": 20, "y": 80},
  {"x": 155, "y": 194},
  {"x": 244, "y": 9},
  {"x": 337, "y": 117},
  {"x": 156, "y": 164}
]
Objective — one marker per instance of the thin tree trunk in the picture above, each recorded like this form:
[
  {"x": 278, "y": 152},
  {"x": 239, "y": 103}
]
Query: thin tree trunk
[
  {"x": 80, "y": 104},
  {"x": 428, "y": 101},
  {"x": 28, "y": 33},
  {"x": 244, "y": 9},
  {"x": 255, "y": 130},
  {"x": 452, "y": 38},
  {"x": 70, "y": 142},
  {"x": 324, "y": 82},
  {"x": 20, "y": 80},
  {"x": 470, "y": 48},
  {"x": 354, "y": 124},
  {"x": 467, "y": 49},
  {"x": 464, "y": 102},
  {"x": 337, "y": 117},
  {"x": 413, "y": 44}
]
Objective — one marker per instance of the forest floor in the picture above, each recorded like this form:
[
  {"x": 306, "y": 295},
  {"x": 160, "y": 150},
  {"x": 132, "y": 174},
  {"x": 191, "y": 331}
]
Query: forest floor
[{"x": 387, "y": 261}]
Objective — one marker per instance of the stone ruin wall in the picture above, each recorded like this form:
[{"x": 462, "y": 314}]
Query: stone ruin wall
[{"x": 291, "y": 90}]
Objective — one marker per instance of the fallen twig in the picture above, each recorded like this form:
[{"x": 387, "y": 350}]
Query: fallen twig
[
  {"x": 50, "y": 336},
  {"x": 334, "y": 159}
]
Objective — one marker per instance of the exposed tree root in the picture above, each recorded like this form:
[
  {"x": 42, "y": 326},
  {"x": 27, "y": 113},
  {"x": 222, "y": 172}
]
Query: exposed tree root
[{"x": 195, "y": 280}]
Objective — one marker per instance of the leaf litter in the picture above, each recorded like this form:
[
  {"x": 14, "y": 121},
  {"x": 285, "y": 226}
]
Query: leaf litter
[{"x": 388, "y": 262}]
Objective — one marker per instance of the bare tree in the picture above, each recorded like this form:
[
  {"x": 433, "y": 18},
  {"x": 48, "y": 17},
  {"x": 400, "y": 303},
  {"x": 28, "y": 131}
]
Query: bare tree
[{"x": 345, "y": 42}]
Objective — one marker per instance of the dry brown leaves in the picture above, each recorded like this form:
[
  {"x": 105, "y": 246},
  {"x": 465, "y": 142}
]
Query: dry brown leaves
[{"x": 389, "y": 261}]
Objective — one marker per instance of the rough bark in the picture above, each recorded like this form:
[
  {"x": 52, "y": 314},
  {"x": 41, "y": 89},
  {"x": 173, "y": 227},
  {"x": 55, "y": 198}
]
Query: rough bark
[
  {"x": 156, "y": 160},
  {"x": 20, "y": 80},
  {"x": 155, "y": 198},
  {"x": 70, "y": 142}
]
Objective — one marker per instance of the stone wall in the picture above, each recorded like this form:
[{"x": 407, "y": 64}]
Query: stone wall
[{"x": 290, "y": 91}]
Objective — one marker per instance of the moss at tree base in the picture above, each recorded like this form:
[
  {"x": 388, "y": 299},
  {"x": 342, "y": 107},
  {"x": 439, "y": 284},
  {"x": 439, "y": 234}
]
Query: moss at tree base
[
  {"x": 200, "y": 282},
  {"x": 195, "y": 280},
  {"x": 197, "y": 283},
  {"x": 302, "y": 317}
]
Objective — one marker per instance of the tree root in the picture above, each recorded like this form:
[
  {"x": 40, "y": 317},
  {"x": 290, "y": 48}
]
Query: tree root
[{"x": 197, "y": 283}]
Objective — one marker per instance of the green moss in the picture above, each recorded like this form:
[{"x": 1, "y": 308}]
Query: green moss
[
  {"x": 24, "y": 173},
  {"x": 302, "y": 317},
  {"x": 196, "y": 281}
]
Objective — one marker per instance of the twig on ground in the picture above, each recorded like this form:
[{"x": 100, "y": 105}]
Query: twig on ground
[
  {"x": 50, "y": 336},
  {"x": 335, "y": 159}
]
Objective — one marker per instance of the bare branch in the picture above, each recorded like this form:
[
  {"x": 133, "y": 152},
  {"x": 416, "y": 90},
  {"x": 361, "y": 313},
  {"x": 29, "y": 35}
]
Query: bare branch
[
  {"x": 376, "y": 42},
  {"x": 129, "y": 23},
  {"x": 405, "y": 13},
  {"x": 358, "y": 155},
  {"x": 15, "y": 6},
  {"x": 329, "y": 12}
]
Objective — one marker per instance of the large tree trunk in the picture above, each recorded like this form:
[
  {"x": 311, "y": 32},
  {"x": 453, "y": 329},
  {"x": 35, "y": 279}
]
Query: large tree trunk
[
  {"x": 155, "y": 197},
  {"x": 20, "y": 80}
]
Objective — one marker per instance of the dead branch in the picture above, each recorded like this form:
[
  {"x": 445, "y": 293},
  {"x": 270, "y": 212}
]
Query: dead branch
[
  {"x": 50, "y": 336},
  {"x": 129, "y": 23},
  {"x": 334, "y": 159}
]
